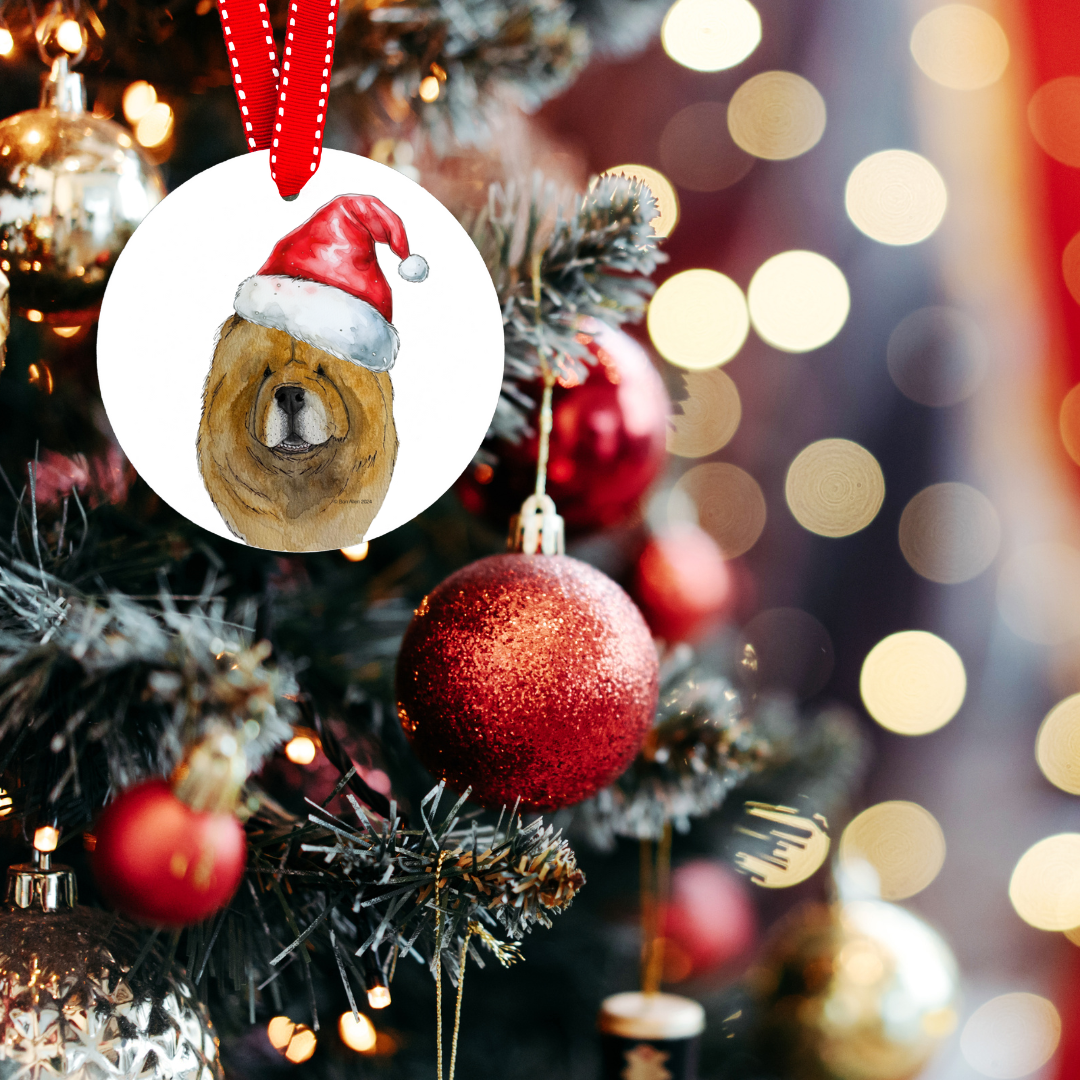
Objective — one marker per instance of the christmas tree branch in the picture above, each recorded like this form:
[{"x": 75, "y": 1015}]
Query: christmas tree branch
[{"x": 555, "y": 267}]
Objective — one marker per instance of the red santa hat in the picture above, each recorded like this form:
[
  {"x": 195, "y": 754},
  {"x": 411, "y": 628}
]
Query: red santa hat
[{"x": 322, "y": 283}]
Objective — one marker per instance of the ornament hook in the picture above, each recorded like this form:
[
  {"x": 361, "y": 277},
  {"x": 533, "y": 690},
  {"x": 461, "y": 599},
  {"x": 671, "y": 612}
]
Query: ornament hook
[{"x": 538, "y": 529}]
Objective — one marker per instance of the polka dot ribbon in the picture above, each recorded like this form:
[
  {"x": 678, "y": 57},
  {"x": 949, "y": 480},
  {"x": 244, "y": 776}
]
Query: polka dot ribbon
[{"x": 282, "y": 103}]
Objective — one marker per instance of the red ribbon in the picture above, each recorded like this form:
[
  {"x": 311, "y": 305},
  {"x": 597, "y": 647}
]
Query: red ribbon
[{"x": 284, "y": 109}]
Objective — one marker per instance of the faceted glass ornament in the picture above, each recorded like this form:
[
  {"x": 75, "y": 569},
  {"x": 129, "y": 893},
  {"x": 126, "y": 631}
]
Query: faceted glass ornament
[
  {"x": 70, "y": 1005},
  {"x": 73, "y": 188}
]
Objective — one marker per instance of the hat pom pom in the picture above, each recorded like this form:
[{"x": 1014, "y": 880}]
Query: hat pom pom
[{"x": 414, "y": 268}]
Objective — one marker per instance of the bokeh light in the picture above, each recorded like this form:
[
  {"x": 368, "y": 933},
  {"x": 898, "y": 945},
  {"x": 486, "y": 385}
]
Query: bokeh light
[
  {"x": 46, "y": 837},
  {"x": 156, "y": 125},
  {"x": 69, "y": 36},
  {"x": 902, "y": 841},
  {"x": 913, "y": 683},
  {"x": 896, "y": 197},
  {"x": 730, "y": 505},
  {"x": 710, "y": 35},
  {"x": 797, "y": 846},
  {"x": 1054, "y": 118},
  {"x": 937, "y": 356},
  {"x": 300, "y": 750},
  {"x": 1069, "y": 423},
  {"x": 1045, "y": 886},
  {"x": 1070, "y": 267},
  {"x": 7, "y": 42},
  {"x": 1057, "y": 746},
  {"x": 429, "y": 89},
  {"x": 798, "y": 301},
  {"x": 707, "y": 418},
  {"x": 356, "y": 552},
  {"x": 794, "y": 651},
  {"x": 296, "y": 1042},
  {"x": 776, "y": 115},
  {"x": 1011, "y": 1036},
  {"x": 697, "y": 151},
  {"x": 139, "y": 98},
  {"x": 357, "y": 1032},
  {"x": 960, "y": 46},
  {"x": 698, "y": 319},
  {"x": 834, "y": 487},
  {"x": 949, "y": 533},
  {"x": 667, "y": 202},
  {"x": 1039, "y": 593}
]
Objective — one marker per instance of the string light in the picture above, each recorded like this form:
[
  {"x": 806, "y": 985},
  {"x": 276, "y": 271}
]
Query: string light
[
  {"x": 799, "y": 846},
  {"x": 429, "y": 88},
  {"x": 139, "y": 98},
  {"x": 65, "y": 331},
  {"x": 707, "y": 418},
  {"x": 46, "y": 837},
  {"x": 7, "y": 804},
  {"x": 300, "y": 750},
  {"x": 378, "y": 997},
  {"x": 357, "y": 552},
  {"x": 357, "y": 1032},
  {"x": 896, "y": 197},
  {"x": 834, "y": 487},
  {"x": 710, "y": 35},
  {"x": 1011, "y": 1036},
  {"x": 776, "y": 115},
  {"x": 1057, "y": 746},
  {"x": 7, "y": 42},
  {"x": 156, "y": 125},
  {"x": 69, "y": 36},
  {"x": 902, "y": 842},
  {"x": 730, "y": 505},
  {"x": 296, "y": 1042},
  {"x": 1045, "y": 886}
]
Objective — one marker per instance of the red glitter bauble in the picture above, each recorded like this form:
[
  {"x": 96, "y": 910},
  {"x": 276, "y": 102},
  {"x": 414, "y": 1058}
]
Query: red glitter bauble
[
  {"x": 608, "y": 442},
  {"x": 682, "y": 583},
  {"x": 527, "y": 676},
  {"x": 161, "y": 862}
]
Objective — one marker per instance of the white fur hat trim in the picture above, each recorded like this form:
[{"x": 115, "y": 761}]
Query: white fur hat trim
[{"x": 324, "y": 316}]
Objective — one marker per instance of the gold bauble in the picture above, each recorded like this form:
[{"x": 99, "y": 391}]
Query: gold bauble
[
  {"x": 863, "y": 990},
  {"x": 73, "y": 187}
]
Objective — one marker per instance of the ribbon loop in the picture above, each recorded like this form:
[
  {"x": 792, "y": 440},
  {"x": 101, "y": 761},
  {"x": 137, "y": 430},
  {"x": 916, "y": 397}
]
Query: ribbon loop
[{"x": 283, "y": 110}]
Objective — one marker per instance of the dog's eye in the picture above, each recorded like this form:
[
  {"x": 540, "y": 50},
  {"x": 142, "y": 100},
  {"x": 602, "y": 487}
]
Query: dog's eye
[
  {"x": 319, "y": 371},
  {"x": 267, "y": 373}
]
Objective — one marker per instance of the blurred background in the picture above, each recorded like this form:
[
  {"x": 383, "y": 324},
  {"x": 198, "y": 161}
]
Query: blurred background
[{"x": 867, "y": 336}]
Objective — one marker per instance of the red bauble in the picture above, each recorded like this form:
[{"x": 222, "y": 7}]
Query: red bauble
[
  {"x": 527, "y": 676},
  {"x": 160, "y": 862},
  {"x": 709, "y": 921},
  {"x": 682, "y": 583},
  {"x": 608, "y": 442}
]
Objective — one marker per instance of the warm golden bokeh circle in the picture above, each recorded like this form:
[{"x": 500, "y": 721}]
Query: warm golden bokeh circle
[
  {"x": 834, "y": 487},
  {"x": 730, "y": 505},
  {"x": 1045, "y": 886},
  {"x": 698, "y": 153},
  {"x": 949, "y": 533},
  {"x": 707, "y": 418},
  {"x": 710, "y": 35},
  {"x": 960, "y": 46},
  {"x": 667, "y": 202},
  {"x": 1054, "y": 118},
  {"x": 1038, "y": 593},
  {"x": 913, "y": 683},
  {"x": 1011, "y": 1036},
  {"x": 1069, "y": 423},
  {"x": 902, "y": 841},
  {"x": 798, "y": 300},
  {"x": 896, "y": 197},
  {"x": 776, "y": 115},
  {"x": 698, "y": 319},
  {"x": 1057, "y": 746}
]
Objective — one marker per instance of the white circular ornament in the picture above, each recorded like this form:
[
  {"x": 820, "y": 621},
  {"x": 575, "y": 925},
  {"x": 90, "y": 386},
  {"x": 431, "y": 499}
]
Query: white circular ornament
[{"x": 300, "y": 375}]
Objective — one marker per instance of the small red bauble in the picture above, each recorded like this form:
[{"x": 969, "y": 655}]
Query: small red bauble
[
  {"x": 608, "y": 442},
  {"x": 161, "y": 862},
  {"x": 682, "y": 583},
  {"x": 709, "y": 921},
  {"x": 527, "y": 676}
]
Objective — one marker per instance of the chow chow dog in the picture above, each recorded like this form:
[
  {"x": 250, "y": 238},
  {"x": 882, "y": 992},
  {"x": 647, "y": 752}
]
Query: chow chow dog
[{"x": 296, "y": 446}]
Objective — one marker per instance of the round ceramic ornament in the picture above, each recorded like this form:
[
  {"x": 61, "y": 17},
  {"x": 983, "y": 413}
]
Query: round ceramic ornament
[{"x": 300, "y": 374}]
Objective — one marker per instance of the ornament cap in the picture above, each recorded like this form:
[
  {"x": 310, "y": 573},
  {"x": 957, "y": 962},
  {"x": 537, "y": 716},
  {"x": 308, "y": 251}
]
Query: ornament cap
[
  {"x": 538, "y": 529},
  {"x": 212, "y": 774},
  {"x": 64, "y": 90},
  {"x": 41, "y": 884}
]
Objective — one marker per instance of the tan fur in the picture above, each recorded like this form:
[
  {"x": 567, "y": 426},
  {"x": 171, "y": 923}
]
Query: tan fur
[{"x": 312, "y": 500}]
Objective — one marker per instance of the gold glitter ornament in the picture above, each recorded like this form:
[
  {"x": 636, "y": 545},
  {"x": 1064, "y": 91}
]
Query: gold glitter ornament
[
  {"x": 863, "y": 990},
  {"x": 73, "y": 187},
  {"x": 71, "y": 1004}
]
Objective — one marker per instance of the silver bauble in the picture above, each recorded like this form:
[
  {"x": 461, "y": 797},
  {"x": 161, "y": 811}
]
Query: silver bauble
[
  {"x": 73, "y": 188},
  {"x": 70, "y": 1004}
]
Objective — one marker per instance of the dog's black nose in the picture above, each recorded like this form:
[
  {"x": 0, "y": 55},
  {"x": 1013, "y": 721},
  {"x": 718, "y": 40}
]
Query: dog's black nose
[{"x": 290, "y": 398}]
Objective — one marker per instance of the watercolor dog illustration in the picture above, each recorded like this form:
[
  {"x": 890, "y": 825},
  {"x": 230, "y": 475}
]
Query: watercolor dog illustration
[{"x": 297, "y": 441}]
